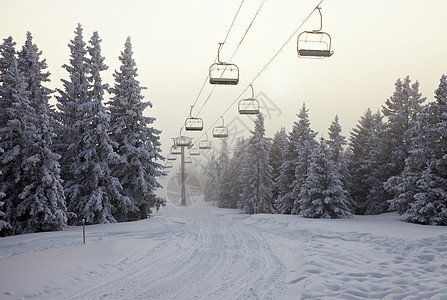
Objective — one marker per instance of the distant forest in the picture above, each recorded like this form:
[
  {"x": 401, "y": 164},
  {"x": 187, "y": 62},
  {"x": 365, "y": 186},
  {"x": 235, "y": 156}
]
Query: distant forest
[{"x": 394, "y": 161}]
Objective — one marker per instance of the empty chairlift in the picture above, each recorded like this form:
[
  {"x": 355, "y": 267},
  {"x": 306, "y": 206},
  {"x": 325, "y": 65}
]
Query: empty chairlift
[
  {"x": 205, "y": 144},
  {"x": 182, "y": 140},
  {"x": 194, "y": 151},
  {"x": 223, "y": 73},
  {"x": 188, "y": 160},
  {"x": 316, "y": 43},
  {"x": 176, "y": 150},
  {"x": 168, "y": 165},
  {"x": 249, "y": 106},
  {"x": 172, "y": 157},
  {"x": 220, "y": 131},
  {"x": 193, "y": 123}
]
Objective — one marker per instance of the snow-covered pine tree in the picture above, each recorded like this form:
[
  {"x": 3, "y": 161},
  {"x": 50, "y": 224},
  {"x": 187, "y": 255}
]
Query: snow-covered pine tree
[
  {"x": 257, "y": 196},
  {"x": 43, "y": 194},
  {"x": 7, "y": 164},
  {"x": 400, "y": 111},
  {"x": 94, "y": 194},
  {"x": 322, "y": 194},
  {"x": 300, "y": 146},
  {"x": 336, "y": 145},
  {"x": 363, "y": 142},
  {"x": 69, "y": 100},
  {"x": 278, "y": 154},
  {"x": 426, "y": 166},
  {"x": 137, "y": 144},
  {"x": 235, "y": 175},
  {"x": 211, "y": 192},
  {"x": 224, "y": 174},
  {"x": 304, "y": 144}
]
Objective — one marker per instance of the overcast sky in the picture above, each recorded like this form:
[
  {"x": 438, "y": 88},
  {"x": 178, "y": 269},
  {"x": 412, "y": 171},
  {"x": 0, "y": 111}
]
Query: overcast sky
[{"x": 174, "y": 42}]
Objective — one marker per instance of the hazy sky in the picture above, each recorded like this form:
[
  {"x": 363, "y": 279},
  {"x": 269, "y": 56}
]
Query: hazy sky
[{"x": 174, "y": 42}]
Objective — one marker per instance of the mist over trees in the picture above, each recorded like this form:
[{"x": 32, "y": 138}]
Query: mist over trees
[
  {"x": 71, "y": 162},
  {"x": 395, "y": 159}
]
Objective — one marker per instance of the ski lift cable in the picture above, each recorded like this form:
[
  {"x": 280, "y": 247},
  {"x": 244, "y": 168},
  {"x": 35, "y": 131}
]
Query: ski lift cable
[
  {"x": 234, "y": 53},
  {"x": 265, "y": 67},
  {"x": 228, "y": 33}
]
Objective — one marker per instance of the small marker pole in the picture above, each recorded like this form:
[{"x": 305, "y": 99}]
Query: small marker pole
[{"x": 83, "y": 231}]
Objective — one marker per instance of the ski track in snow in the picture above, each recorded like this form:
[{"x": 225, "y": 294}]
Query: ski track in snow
[{"x": 203, "y": 252}]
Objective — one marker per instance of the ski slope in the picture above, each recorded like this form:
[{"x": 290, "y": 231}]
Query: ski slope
[{"x": 204, "y": 252}]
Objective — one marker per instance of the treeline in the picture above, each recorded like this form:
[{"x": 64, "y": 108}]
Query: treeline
[
  {"x": 395, "y": 160},
  {"x": 83, "y": 159}
]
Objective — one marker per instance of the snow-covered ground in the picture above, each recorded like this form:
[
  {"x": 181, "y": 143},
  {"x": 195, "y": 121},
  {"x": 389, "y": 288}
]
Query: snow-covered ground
[{"x": 204, "y": 252}]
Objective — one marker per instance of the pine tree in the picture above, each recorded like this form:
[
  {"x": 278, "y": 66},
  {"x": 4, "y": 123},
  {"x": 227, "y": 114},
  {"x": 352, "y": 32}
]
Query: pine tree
[
  {"x": 258, "y": 191},
  {"x": 211, "y": 192},
  {"x": 304, "y": 145},
  {"x": 278, "y": 154},
  {"x": 69, "y": 114},
  {"x": 4, "y": 224},
  {"x": 235, "y": 174},
  {"x": 137, "y": 144},
  {"x": 322, "y": 194},
  {"x": 43, "y": 194},
  {"x": 94, "y": 194},
  {"x": 363, "y": 142},
  {"x": 294, "y": 169},
  {"x": 224, "y": 174},
  {"x": 425, "y": 172},
  {"x": 401, "y": 111}
]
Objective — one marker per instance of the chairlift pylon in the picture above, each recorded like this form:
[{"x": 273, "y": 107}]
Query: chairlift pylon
[
  {"x": 193, "y": 123},
  {"x": 223, "y": 73},
  {"x": 220, "y": 131},
  {"x": 316, "y": 43},
  {"x": 249, "y": 106}
]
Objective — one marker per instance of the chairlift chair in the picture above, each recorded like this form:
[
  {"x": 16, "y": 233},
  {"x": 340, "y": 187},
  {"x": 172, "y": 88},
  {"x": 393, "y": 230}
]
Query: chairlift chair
[
  {"x": 175, "y": 150},
  {"x": 194, "y": 151},
  {"x": 205, "y": 144},
  {"x": 249, "y": 106},
  {"x": 220, "y": 131},
  {"x": 168, "y": 165},
  {"x": 182, "y": 140},
  {"x": 316, "y": 43},
  {"x": 172, "y": 157},
  {"x": 193, "y": 123},
  {"x": 223, "y": 73},
  {"x": 188, "y": 160}
]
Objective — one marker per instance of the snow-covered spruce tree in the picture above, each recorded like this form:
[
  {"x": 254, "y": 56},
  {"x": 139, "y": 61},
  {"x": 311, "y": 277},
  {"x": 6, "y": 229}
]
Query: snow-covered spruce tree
[
  {"x": 235, "y": 175},
  {"x": 137, "y": 144},
  {"x": 336, "y": 145},
  {"x": 293, "y": 170},
  {"x": 69, "y": 113},
  {"x": 42, "y": 197},
  {"x": 363, "y": 142},
  {"x": 426, "y": 165},
  {"x": 94, "y": 194},
  {"x": 224, "y": 174},
  {"x": 304, "y": 145},
  {"x": 257, "y": 196},
  {"x": 7, "y": 163},
  {"x": 400, "y": 111},
  {"x": 211, "y": 192},
  {"x": 278, "y": 154},
  {"x": 322, "y": 194}
]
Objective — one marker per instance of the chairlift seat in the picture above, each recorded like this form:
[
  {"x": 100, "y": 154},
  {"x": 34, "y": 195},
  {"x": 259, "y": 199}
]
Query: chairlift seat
[
  {"x": 194, "y": 152},
  {"x": 176, "y": 150},
  {"x": 205, "y": 144},
  {"x": 224, "y": 74},
  {"x": 315, "y": 53},
  {"x": 188, "y": 160},
  {"x": 172, "y": 157},
  {"x": 193, "y": 124},
  {"x": 220, "y": 132},
  {"x": 183, "y": 141},
  {"x": 248, "y": 107}
]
